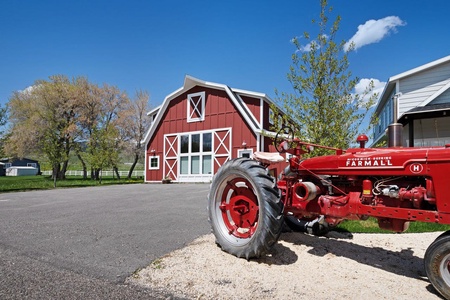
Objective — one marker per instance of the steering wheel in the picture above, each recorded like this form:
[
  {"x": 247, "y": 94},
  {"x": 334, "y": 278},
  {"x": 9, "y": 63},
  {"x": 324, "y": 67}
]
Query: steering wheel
[{"x": 280, "y": 137}]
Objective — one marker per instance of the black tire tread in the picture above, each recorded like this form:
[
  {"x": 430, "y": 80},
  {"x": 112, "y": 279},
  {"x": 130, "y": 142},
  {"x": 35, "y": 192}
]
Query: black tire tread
[
  {"x": 269, "y": 229},
  {"x": 439, "y": 248}
]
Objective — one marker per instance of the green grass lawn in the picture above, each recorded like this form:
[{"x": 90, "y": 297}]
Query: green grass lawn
[
  {"x": 371, "y": 226},
  {"x": 27, "y": 183}
]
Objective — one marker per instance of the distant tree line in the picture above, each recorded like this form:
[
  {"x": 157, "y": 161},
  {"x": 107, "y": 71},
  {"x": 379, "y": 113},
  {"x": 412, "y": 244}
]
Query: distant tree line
[{"x": 61, "y": 117}]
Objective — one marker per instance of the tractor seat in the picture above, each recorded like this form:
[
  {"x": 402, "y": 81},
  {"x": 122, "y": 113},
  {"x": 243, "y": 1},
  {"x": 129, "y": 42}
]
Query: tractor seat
[{"x": 268, "y": 158}]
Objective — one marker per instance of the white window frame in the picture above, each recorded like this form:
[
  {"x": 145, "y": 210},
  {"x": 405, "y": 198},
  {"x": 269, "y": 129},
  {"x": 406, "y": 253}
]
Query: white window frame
[
  {"x": 240, "y": 152},
  {"x": 150, "y": 162},
  {"x": 34, "y": 165},
  {"x": 8, "y": 165},
  {"x": 198, "y": 106},
  {"x": 199, "y": 154}
]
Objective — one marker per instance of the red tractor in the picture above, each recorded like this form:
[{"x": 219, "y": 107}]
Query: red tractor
[{"x": 248, "y": 208}]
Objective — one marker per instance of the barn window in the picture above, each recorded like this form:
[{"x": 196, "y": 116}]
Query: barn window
[
  {"x": 196, "y": 153},
  {"x": 184, "y": 144},
  {"x": 245, "y": 153},
  {"x": 154, "y": 163},
  {"x": 196, "y": 107},
  {"x": 207, "y": 142}
]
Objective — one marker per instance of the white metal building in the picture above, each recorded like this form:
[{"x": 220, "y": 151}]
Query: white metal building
[{"x": 420, "y": 100}]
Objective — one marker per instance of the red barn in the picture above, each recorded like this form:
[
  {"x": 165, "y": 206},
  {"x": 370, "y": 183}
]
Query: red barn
[{"x": 201, "y": 126}]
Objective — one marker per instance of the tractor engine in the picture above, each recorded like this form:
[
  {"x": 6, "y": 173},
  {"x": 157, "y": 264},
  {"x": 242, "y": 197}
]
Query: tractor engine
[{"x": 338, "y": 197}]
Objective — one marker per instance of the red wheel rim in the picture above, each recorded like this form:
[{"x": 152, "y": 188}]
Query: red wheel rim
[{"x": 239, "y": 207}]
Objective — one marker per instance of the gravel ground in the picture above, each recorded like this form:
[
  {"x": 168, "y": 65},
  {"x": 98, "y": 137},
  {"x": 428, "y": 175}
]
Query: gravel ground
[{"x": 339, "y": 266}]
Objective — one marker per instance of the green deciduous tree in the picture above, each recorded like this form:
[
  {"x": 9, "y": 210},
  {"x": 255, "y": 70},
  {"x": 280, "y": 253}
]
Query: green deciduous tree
[
  {"x": 43, "y": 119},
  {"x": 3, "y": 117},
  {"x": 323, "y": 103},
  {"x": 136, "y": 125},
  {"x": 61, "y": 117},
  {"x": 3, "y": 120},
  {"x": 105, "y": 112}
]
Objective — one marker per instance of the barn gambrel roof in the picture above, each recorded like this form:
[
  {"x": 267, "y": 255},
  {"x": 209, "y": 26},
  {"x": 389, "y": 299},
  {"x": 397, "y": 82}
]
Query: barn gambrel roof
[{"x": 233, "y": 94}]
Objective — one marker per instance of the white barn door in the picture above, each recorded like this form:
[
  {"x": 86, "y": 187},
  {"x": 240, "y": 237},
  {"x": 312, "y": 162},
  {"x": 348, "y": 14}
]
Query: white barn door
[{"x": 171, "y": 156}]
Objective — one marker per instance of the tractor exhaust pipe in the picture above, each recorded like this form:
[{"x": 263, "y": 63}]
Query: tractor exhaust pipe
[{"x": 394, "y": 133}]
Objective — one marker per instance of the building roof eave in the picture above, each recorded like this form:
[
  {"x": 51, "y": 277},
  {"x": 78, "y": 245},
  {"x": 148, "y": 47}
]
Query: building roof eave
[
  {"x": 190, "y": 82},
  {"x": 383, "y": 97},
  {"x": 154, "y": 110},
  {"x": 421, "y": 68},
  {"x": 394, "y": 79}
]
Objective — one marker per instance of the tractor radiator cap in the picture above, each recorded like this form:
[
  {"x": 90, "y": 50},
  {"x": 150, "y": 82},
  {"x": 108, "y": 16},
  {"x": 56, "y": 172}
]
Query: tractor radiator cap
[{"x": 362, "y": 140}]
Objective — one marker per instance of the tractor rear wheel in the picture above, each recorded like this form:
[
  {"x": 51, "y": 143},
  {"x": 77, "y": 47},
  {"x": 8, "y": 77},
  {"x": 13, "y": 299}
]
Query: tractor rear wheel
[
  {"x": 245, "y": 210},
  {"x": 437, "y": 264}
]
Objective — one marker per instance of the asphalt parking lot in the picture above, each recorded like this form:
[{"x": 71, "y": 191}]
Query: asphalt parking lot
[{"x": 82, "y": 242}]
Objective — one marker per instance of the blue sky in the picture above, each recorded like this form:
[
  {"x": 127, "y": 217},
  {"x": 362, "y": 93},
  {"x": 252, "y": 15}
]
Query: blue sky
[{"x": 152, "y": 45}]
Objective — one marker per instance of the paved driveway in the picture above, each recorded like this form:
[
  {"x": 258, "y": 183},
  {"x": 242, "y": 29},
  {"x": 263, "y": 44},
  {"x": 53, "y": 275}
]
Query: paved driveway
[{"x": 99, "y": 233}]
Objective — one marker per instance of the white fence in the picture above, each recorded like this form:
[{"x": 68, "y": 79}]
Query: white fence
[{"x": 104, "y": 173}]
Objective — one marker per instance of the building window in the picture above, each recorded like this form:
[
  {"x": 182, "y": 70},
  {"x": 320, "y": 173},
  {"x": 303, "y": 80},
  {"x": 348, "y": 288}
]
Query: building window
[
  {"x": 34, "y": 165},
  {"x": 245, "y": 153},
  {"x": 207, "y": 164},
  {"x": 196, "y": 154},
  {"x": 8, "y": 165},
  {"x": 184, "y": 144},
  {"x": 153, "y": 163},
  {"x": 196, "y": 107}
]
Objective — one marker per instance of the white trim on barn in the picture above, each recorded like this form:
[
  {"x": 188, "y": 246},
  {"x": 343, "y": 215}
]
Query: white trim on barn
[
  {"x": 170, "y": 157},
  {"x": 175, "y": 162},
  {"x": 156, "y": 159},
  {"x": 196, "y": 107},
  {"x": 245, "y": 153}
]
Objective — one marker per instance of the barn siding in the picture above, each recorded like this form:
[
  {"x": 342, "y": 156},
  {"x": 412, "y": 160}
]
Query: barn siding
[
  {"x": 254, "y": 105},
  {"x": 266, "y": 124},
  {"x": 220, "y": 112}
]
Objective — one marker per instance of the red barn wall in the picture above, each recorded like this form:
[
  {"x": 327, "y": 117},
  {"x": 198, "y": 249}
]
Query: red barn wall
[
  {"x": 254, "y": 105},
  {"x": 220, "y": 112}
]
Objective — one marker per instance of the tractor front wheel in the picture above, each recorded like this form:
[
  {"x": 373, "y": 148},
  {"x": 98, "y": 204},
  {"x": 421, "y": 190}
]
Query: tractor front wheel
[
  {"x": 245, "y": 210},
  {"x": 437, "y": 264}
]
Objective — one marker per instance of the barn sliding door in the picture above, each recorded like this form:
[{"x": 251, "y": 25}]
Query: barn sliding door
[
  {"x": 171, "y": 156},
  {"x": 222, "y": 147},
  {"x": 196, "y": 156}
]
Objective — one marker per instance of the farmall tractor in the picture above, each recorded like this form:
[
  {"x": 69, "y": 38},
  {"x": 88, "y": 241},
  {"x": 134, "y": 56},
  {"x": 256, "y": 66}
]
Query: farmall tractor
[{"x": 248, "y": 208}]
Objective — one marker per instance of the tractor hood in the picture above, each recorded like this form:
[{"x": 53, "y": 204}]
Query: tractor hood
[{"x": 376, "y": 161}]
